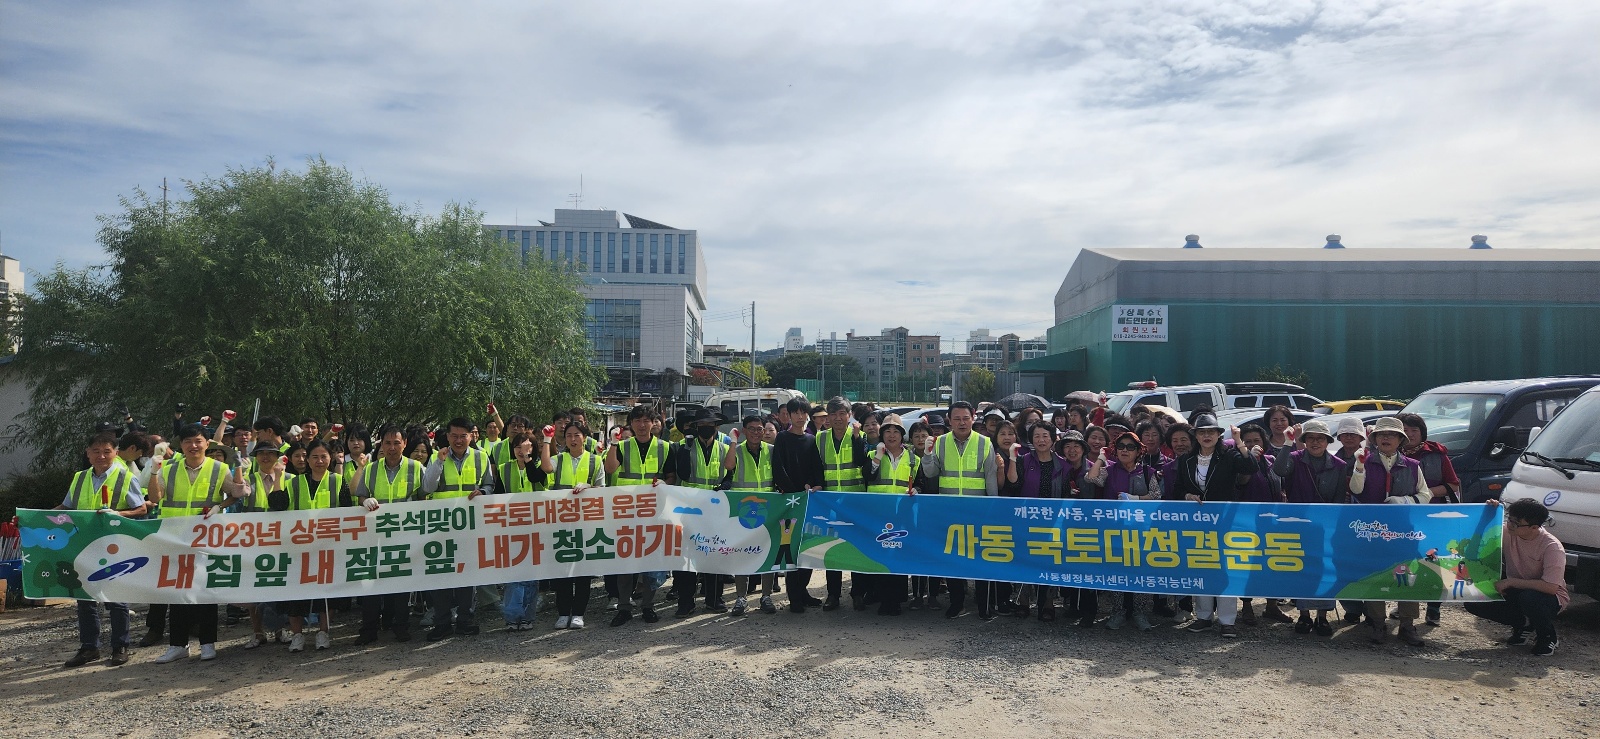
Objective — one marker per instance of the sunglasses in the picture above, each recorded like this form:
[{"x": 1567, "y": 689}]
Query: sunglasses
[{"x": 1128, "y": 447}]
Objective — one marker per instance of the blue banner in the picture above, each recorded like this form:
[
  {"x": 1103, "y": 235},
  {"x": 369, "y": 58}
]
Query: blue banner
[{"x": 1260, "y": 550}]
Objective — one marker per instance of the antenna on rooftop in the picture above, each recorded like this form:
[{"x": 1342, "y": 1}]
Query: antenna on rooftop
[{"x": 577, "y": 197}]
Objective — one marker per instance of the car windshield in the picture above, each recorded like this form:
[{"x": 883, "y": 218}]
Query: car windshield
[
  {"x": 1454, "y": 419},
  {"x": 1574, "y": 434},
  {"x": 1119, "y": 402}
]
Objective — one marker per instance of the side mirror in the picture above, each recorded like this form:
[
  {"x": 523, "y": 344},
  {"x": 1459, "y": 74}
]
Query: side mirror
[
  {"x": 1533, "y": 433},
  {"x": 1506, "y": 435}
]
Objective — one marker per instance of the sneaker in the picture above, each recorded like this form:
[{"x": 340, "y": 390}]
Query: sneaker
[
  {"x": 858, "y": 603},
  {"x": 119, "y": 657},
  {"x": 564, "y": 622},
  {"x": 953, "y": 611},
  {"x": 524, "y": 626},
  {"x": 427, "y": 620},
  {"x": 150, "y": 639},
  {"x": 297, "y": 643},
  {"x": 1229, "y": 631},
  {"x": 1519, "y": 637},
  {"x": 1322, "y": 627},
  {"x": 1546, "y": 647},
  {"x": 1394, "y": 615},
  {"x": 322, "y": 640},
  {"x": 258, "y": 638},
  {"x": 83, "y": 657},
  {"x": 716, "y": 606},
  {"x": 1273, "y": 613},
  {"x": 281, "y": 636},
  {"x": 797, "y": 607},
  {"x": 468, "y": 630},
  {"x": 611, "y": 604},
  {"x": 575, "y": 623},
  {"x": 173, "y": 654},
  {"x": 1377, "y": 631},
  {"x": 1118, "y": 618},
  {"x": 1432, "y": 619},
  {"x": 1247, "y": 615},
  {"x": 1005, "y": 607},
  {"x": 623, "y": 616},
  {"x": 1303, "y": 626},
  {"x": 831, "y": 604},
  {"x": 1408, "y": 634},
  {"x": 649, "y": 616},
  {"x": 1142, "y": 621},
  {"x": 767, "y": 606},
  {"x": 440, "y": 633},
  {"x": 683, "y": 611},
  {"x": 915, "y": 603},
  {"x": 1352, "y": 617},
  {"x": 208, "y": 652},
  {"x": 362, "y": 639},
  {"x": 1200, "y": 624},
  {"x": 1086, "y": 620},
  {"x": 738, "y": 606}
]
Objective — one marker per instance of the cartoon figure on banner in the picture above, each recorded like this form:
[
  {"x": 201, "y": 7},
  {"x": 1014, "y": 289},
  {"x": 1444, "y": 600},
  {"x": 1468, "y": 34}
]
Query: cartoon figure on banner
[{"x": 785, "y": 556}]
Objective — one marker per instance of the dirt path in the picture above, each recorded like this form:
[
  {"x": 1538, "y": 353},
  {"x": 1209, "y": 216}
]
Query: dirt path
[{"x": 843, "y": 673}]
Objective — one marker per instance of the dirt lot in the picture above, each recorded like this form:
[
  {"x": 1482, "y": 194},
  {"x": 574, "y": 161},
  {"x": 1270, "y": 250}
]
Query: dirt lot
[{"x": 843, "y": 673}]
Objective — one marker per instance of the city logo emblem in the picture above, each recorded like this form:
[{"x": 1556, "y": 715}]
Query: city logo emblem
[{"x": 891, "y": 536}]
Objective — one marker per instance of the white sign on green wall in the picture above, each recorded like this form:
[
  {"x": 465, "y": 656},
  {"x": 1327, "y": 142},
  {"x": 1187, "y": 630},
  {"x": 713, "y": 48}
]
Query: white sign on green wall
[{"x": 1139, "y": 323}]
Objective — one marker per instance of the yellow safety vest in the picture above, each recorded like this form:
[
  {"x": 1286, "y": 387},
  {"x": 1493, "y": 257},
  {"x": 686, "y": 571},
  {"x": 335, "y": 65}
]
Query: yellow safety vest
[
  {"x": 518, "y": 481},
  {"x": 630, "y": 471},
  {"x": 840, "y": 468},
  {"x": 750, "y": 475},
  {"x": 86, "y": 498},
  {"x": 574, "y": 471},
  {"x": 704, "y": 474},
  {"x": 893, "y": 477},
  {"x": 407, "y": 480},
  {"x": 184, "y": 498},
  {"x": 303, "y": 498},
  {"x": 258, "y": 490},
  {"x": 460, "y": 482},
  {"x": 961, "y": 473}
]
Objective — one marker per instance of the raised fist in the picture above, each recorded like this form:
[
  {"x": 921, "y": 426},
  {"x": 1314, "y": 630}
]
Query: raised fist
[
  {"x": 229, "y": 415},
  {"x": 549, "y": 431}
]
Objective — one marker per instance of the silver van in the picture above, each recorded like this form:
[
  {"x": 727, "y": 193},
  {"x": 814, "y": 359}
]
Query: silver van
[{"x": 1561, "y": 468}]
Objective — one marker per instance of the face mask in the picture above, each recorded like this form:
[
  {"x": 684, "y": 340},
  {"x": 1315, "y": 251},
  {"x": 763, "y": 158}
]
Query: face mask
[{"x": 706, "y": 432}]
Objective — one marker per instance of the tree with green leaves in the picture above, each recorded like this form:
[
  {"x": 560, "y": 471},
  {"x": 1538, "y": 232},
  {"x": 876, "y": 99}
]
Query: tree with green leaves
[
  {"x": 977, "y": 385},
  {"x": 809, "y": 366},
  {"x": 309, "y": 290},
  {"x": 742, "y": 366}
]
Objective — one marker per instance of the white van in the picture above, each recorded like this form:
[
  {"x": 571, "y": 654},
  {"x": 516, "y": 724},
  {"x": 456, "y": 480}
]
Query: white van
[
  {"x": 1561, "y": 468},
  {"x": 1181, "y": 398},
  {"x": 734, "y": 405}
]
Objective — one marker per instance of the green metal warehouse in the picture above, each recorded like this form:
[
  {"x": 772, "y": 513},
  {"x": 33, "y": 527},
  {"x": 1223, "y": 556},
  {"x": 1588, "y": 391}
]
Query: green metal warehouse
[{"x": 1359, "y": 322}]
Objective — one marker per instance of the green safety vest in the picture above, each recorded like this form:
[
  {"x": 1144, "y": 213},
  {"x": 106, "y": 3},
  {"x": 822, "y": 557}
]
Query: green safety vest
[
  {"x": 749, "y": 475},
  {"x": 518, "y": 481},
  {"x": 630, "y": 472},
  {"x": 961, "y": 474},
  {"x": 257, "y": 501},
  {"x": 896, "y": 478},
  {"x": 703, "y": 474},
  {"x": 184, "y": 498},
  {"x": 571, "y": 472},
  {"x": 407, "y": 481},
  {"x": 303, "y": 498},
  {"x": 86, "y": 498},
  {"x": 840, "y": 469},
  {"x": 459, "y": 483}
]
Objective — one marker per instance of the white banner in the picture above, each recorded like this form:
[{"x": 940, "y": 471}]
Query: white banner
[
  {"x": 1139, "y": 323},
  {"x": 428, "y": 545}
]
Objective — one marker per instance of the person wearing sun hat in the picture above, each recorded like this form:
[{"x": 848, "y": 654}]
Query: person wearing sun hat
[
  {"x": 1311, "y": 475},
  {"x": 1389, "y": 477},
  {"x": 892, "y": 469}
]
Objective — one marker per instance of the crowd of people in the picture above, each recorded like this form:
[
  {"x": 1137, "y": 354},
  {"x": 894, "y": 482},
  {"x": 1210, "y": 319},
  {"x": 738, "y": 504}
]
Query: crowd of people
[{"x": 1077, "y": 452}]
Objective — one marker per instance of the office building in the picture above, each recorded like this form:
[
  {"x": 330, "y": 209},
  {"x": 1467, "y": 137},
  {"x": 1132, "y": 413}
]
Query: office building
[
  {"x": 833, "y": 344},
  {"x": 646, "y": 286},
  {"x": 998, "y": 353},
  {"x": 892, "y": 355},
  {"x": 793, "y": 340}
]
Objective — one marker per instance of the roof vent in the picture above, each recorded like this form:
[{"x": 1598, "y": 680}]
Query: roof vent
[
  {"x": 1480, "y": 242},
  {"x": 1192, "y": 241},
  {"x": 1333, "y": 242}
]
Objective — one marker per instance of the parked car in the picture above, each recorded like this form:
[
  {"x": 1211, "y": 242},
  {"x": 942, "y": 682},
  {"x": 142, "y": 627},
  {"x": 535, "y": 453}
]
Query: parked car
[
  {"x": 1366, "y": 418},
  {"x": 1561, "y": 468},
  {"x": 1328, "y": 407},
  {"x": 1471, "y": 418},
  {"x": 1184, "y": 398},
  {"x": 1268, "y": 394},
  {"x": 1241, "y": 416}
]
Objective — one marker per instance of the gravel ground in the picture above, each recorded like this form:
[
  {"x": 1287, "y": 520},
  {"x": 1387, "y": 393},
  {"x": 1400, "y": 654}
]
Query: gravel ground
[{"x": 842, "y": 673}]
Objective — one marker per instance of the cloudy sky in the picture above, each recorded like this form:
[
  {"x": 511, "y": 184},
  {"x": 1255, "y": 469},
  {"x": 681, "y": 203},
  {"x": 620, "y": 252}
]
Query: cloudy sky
[{"x": 932, "y": 165}]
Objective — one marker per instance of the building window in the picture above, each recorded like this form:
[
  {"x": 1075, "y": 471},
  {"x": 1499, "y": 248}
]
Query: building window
[
  {"x": 612, "y": 327},
  {"x": 569, "y": 246},
  {"x": 583, "y": 249},
  {"x": 611, "y": 252},
  {"x": 638, "y": 253},
  {"x": 691, "y": 336},
  {"x": 538, "y": 238},
  {"x": 666, "y": 256},
  {"x": 655, "y": 253},
  {"x": 627, "y": 251},
  {"x": 683, "y": 250}
]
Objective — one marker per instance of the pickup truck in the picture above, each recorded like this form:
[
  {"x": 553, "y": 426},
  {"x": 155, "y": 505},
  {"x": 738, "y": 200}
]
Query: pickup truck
[
  {"x": 1482, "y": 423},
  {"x": 1561, "y": 468}
]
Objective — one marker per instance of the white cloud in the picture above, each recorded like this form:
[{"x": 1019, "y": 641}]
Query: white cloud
[
  {"x": 1292, "y": 519},
  {"x": 1447, "y": 514},
  {"x": 973, "y": 149}
]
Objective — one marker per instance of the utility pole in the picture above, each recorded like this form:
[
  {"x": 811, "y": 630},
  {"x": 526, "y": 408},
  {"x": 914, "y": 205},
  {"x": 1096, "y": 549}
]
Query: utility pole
[{"x": 752, "y": 343}]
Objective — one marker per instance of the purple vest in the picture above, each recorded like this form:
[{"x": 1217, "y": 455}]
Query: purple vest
[
  {"x": 1379, "y": 483},
  {"x": 1302, "y": 484},
  {"x": 1120, "y": 480}
]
